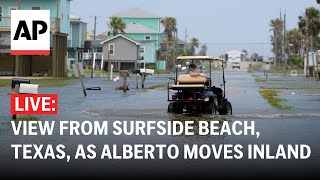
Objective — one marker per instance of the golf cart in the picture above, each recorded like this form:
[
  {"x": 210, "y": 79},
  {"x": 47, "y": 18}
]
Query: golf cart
[{"x": 198, "y": 94}]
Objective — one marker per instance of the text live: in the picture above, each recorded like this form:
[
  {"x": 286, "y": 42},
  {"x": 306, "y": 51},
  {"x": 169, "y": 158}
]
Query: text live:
[{"x": 40, "y": 104}]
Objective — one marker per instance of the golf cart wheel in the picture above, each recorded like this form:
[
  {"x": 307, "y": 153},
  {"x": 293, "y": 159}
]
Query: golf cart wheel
[
  {"x": 210, "y": 108},
  {"x": 226, "y": 108},
  {"x": 174, "y": 108}
]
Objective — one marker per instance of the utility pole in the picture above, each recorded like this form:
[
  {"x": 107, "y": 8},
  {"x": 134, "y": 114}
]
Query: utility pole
[
  {"x": 306, "y": 46},
  {"x": 95, "y": 27},
  {"x": 284, "y": 41},
  {"x": 281, "y": 39},
  {"x": 186, "y": 35}
]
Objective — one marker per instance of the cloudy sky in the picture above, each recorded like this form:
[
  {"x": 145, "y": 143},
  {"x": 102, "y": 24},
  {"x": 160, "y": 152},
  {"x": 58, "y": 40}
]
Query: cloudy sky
[{"x": 222, "y": 25}]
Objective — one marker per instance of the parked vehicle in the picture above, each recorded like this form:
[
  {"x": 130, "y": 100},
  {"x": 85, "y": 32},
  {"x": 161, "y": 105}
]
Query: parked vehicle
[
  {"x": 188, "y": 94},
  {"x": 235, "y": 65}
]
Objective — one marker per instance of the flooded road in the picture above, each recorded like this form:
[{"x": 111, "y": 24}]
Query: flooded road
[{"x": 298, "y": 126}]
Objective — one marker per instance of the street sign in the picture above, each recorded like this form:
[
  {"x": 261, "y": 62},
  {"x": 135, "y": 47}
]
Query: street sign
[
  {"x": 78, "y": 68},
  {"x": 266, "y": 66}
]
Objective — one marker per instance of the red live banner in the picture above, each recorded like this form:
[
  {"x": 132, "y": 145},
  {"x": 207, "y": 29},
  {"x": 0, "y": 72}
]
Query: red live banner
[{"x": 38, "y": 104}]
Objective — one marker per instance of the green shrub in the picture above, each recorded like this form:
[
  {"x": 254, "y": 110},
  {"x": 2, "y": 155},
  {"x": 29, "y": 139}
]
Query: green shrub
[{"x": 296, "y": 61}]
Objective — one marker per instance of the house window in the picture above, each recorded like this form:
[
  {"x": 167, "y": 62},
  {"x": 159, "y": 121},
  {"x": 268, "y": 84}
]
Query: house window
[
  {"x": 142, "y": 50},
  {"x": 111, "y": 49},
  {"x": 99, "y": 49},
  {"x": 142, "y": 58},
  {"x": 35, "y": 8},
  {"x": 0, "y": 13},
  {"x": 147, "y": 37}
]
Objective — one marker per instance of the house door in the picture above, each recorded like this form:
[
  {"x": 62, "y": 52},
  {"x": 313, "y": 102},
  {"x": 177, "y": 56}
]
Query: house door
[{"x": 9, "y": 10}]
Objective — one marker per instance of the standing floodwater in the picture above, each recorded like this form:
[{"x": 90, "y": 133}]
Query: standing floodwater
[{"x": 298, "y": 125}]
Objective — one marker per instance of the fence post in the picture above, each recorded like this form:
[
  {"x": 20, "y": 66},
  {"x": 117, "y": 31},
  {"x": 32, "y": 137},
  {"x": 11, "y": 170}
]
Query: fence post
[
  {"x": 124, "y": 74},
  {"x": 15, "y": 91}
]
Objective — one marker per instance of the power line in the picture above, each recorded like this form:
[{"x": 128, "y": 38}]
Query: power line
[{"x": 237, "y": 43}]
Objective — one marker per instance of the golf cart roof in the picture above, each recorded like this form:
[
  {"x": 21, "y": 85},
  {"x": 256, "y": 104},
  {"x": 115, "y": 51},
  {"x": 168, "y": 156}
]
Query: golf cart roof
[{"x": 199, "y": 58}]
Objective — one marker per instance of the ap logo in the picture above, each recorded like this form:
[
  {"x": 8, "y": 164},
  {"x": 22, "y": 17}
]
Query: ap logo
[{"x": 30, "y": 32}]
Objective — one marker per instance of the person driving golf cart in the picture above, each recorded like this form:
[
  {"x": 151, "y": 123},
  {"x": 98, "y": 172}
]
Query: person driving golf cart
[{"x": 193, "y": 71}]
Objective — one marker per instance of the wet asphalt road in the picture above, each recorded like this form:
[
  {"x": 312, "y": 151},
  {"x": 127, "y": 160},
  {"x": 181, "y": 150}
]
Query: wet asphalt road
[{"x": 298, "y": 126}]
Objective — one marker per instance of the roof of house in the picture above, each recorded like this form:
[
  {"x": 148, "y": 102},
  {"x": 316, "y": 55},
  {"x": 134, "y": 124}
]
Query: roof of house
[
  {"x": 136, "y": 13},
  {"x": 163, "y": 39},
  {"x": 139, "y": 28},
  {"x": 235, "y": 52},
  {"x": 120, "y": 35},
  {"x": 103, "y": 36},
  {"x": 96, "y": 43},
  {"x": 74, "y": 18}
]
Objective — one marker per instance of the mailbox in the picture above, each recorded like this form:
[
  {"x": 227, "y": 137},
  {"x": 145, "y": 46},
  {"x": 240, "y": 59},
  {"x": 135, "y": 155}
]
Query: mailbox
[
  {"x": 28, "y": 88},
  {"x": 19, "y": 81},
  {"x": 124, "y": 73},
  {"x": 136, "y": 71},
  {"x": 147, "y": 71}
]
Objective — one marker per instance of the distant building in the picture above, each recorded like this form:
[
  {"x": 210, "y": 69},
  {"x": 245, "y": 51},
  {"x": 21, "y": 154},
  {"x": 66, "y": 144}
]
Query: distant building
[
  {"x": 312, "y": 66},
  {"x": 96, "y": 61},
  {"x": 235, "y": 56},
  {"x": 53, "y": 65},
  {"x": 78, "y": 32},
  {"x": 144, "y": 28},
  {"x": 122, "y": 51},
  {"x": 102, "y": 36}
]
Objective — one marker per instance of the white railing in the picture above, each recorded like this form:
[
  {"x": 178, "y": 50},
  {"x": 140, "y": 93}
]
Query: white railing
[{"x": 88, "y": 55}]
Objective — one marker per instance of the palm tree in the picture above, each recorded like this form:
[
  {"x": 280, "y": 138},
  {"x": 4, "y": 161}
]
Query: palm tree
[
  {"x": 194, "y": 43},
  {"x": 116, "y": 26},
  {"x": 203, "y": 51},
  {"x": 170, "y": 26},
  {"x": 309, "y": 24},
  {"x": 295, "y": 38},
  {"x": 276, "y": 38},
  {"x": 170, "y": 29}
]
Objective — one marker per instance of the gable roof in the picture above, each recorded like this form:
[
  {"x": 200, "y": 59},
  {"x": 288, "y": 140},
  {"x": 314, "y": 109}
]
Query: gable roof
[
  {"x": 103, "y": 36},
  {"x": 74, "y": 18},
  {"x": 234, "y": 52},
  {"x": 120, "y": 35},
  {"x": 163, "y": 39},
  {"x": 96, "y": 43},
  {"x": 136, "y": 13},
  {"x": 139, "y": 28}
]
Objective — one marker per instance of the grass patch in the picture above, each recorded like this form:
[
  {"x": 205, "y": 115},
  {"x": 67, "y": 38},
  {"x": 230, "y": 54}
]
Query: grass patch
[
  {"x": 95, "y": 71},
  {"x": 293, "y": 88},
  {"x": 271, "y": 96},
  {"x": 258, "y": 79},
  {"x": 50, "y": 82},
  {"x": 257, "y": 65},
  {"x": 164, "y": 71},
  {"x": 5, "y": 82},
  {"x": 283, "y": 70},
  {"x": 55, "y": 82},
  {"x": 157, "y": 86}
]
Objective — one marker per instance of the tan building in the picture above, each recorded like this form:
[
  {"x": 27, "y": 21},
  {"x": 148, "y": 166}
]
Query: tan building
[{"x": 53, "y": 65}]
